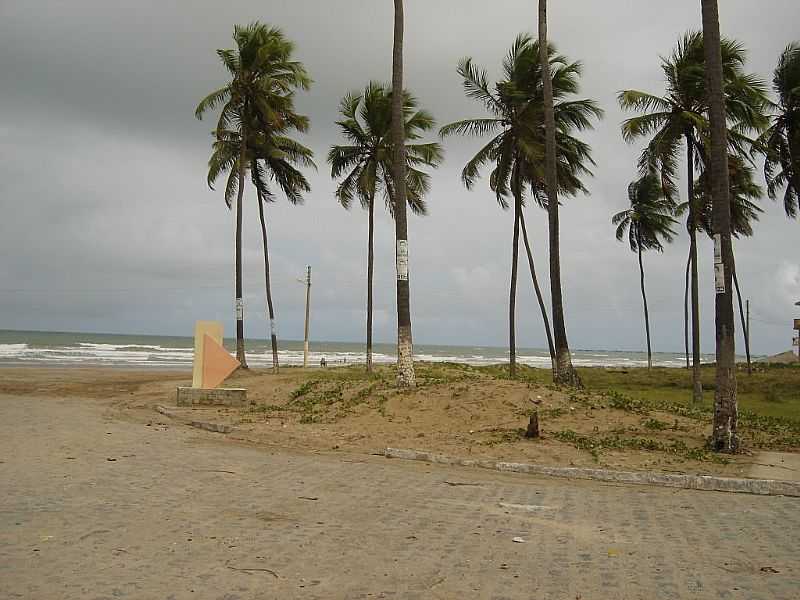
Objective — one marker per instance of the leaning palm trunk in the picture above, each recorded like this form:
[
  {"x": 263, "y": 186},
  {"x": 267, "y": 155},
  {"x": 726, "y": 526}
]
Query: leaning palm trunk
[
  {"x": 405, "y": 357},
  {"x": 512, "y": 296},
  {"x": 697, "y": 383},
  {"x": 724, "y": 437},
  {"x": 744, "y": 323},
  {"x": 273, "y": 334},
  {"x": 564, "y": 371},
  {"x": 240, "y": 355},
  {"x": 370, "y": 268},
  {"x": 686, "y": 309},
  {"x": 538, "y": 291},
  {"x": 646, "y": 314},
  {"x": 745, "y": 328}
]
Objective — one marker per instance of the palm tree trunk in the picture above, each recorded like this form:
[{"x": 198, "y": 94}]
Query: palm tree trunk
[
  {"x": 240, "y": 354},
  {"x": 646, "y": 314},
  {"x": 273, "y": 334},
  {"x": 564, "y": 371},
  {"x": 405, "y": 357},
  {"x": 512, "y": 295},
  {"x": 370, "y": 268},
  {"x": 744, "y": 323},
  {"x": 724, "y": 437},
  {"x": 538, "y": 291},
  {"x": 686, "y": 309},
  {"x": 697, "y": 383}
]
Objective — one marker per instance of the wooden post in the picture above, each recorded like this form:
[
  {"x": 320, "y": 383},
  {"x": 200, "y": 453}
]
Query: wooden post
[{"x": 747, "y": 337}]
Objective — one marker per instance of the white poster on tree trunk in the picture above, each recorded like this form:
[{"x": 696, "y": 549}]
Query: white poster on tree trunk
[
  {"x": 719, "y": 277},
  {"x": 402, "y": 260}
]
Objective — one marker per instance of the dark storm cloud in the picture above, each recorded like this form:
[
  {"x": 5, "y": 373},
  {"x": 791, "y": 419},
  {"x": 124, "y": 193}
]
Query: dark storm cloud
[{"x": 108, "y": 225}]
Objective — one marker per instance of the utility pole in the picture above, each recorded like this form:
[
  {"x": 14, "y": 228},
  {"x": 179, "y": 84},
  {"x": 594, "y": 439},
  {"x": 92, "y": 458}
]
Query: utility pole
[{"x": 308, "y": 307}]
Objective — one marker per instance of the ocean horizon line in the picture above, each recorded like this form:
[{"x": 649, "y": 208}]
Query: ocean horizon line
[{"x": 348, "y": 342}]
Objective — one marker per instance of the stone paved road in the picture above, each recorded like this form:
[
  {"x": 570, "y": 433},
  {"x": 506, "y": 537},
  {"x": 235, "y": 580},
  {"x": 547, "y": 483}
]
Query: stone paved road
[{"x": 178, "y": 515}]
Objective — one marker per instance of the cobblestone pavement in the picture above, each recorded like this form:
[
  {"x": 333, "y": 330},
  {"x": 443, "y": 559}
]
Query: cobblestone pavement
[{"x": 93, "y": 507}]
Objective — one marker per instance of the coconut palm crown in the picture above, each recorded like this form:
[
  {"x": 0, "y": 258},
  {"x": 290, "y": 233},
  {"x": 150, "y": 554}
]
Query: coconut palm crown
[
  {"x": 782, "y": 140},
  {"x": 517, "y": 123},
  {"x": 648, "y": 222},
  {"x": 366, "y": 162}
]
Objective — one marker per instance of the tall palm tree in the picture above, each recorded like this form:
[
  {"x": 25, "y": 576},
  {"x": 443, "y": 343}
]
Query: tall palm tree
[
  {"x": 725, "y": 408},
  {"x": 563, "y": 371},
  {"x": 648, "y": 223},
  {"x": 405, "y": 353},
  {"x": 272, "y": 158},
  {"x": 366, "y": 162},
  {"x": 260, "y": 93},
  {"x": 516, "y": 149},
  {"x": 680, "y": 119},
  {"x": 782, "y": 139}
]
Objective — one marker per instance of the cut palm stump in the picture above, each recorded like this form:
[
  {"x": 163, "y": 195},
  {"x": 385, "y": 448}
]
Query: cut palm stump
[
  {"x": 212, "y": 365},
  {"x": 533, "y": 426}
]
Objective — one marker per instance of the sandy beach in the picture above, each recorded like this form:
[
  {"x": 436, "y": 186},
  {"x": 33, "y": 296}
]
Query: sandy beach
[
  {"x": 105, "y": 498},
  {"x": 457, "y": 411}
]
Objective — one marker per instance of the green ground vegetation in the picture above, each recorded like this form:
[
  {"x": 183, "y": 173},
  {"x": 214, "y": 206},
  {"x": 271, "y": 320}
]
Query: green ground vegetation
[{"x": 660, "y": 399}]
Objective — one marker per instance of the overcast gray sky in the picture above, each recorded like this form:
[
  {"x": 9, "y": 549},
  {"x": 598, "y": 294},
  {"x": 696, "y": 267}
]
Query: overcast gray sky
[{"x": 107, "y": 224}]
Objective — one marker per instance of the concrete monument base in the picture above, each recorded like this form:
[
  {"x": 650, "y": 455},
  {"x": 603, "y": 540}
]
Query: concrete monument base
[{"x": 188, "y": 396}]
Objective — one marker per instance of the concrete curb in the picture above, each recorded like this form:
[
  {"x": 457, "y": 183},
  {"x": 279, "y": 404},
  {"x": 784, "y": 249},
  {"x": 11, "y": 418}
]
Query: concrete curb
[
  {"x": 207, "y": 426},
  {"x": 764, "y": 487}
]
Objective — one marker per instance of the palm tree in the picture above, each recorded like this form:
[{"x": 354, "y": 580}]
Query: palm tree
[
  {"x": 270, "y": 157},
  {"x": 516, "y": 149},
  {"x": 648, "y": 222},
  {"x": 681, "y": 117},
  {"x": 782, "y": 139},
  {"x": 366, "y": 163},
  {"x": 725, "y": 409},
  {"x": 564, "y": 372},
  {"x": 743, "y": 194},
  {"x": 259, "y": 94},
  {"x": 405, "y": 353}
]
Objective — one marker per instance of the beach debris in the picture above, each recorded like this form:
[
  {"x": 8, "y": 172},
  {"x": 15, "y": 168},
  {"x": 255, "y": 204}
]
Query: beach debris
[
  {"x": 251, "y": 569},
  {"x": 307, "y": 498},
  {"x": 460, "y": 483},
  {"x": 526, "y": 507},
  {"x": 109, "y": 459},
  {"x": 91, "y": 533},
  {"x": 769, "y": 570},
  {"x": 215, "y": 471},
  {"x": 518, "y": 540}
]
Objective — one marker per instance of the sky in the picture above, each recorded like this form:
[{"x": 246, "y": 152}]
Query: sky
[{"x": 108, "y": 225}]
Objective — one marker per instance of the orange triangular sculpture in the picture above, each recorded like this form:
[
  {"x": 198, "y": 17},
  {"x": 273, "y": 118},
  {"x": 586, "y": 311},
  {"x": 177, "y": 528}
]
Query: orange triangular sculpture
[{"x": 217, "y": 363}]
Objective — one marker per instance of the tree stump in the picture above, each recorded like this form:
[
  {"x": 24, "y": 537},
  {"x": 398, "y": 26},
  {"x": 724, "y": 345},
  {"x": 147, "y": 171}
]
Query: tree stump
[{"x": 533, "y": 426}]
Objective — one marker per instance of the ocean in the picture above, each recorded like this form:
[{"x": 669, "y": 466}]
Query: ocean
[{"x": 57, "y": 349}]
